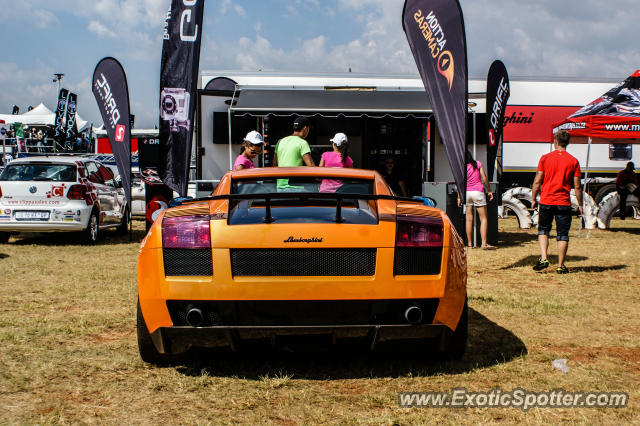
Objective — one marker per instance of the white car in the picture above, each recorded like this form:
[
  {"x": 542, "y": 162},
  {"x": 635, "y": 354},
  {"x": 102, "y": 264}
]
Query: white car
[{"x": 60, "y": 194}]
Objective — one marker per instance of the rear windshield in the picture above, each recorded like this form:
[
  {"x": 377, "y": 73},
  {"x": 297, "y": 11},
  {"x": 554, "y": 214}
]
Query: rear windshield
[
  {"x": 302, "y": 185},
  {"x": 39, "y": 172},
  {"x": 305, "y": 209}
]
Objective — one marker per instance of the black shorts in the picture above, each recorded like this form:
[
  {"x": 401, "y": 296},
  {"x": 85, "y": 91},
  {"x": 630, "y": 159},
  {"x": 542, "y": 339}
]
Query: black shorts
[{"x": 563, "y": 220}]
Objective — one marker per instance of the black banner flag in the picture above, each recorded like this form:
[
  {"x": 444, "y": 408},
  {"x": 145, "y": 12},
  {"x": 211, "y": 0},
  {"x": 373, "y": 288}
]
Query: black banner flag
[
  {"x": 70, "y": 122},
  {"x": 436, "y": 35},
  {"x": 178, "y": 83},
  {"x": 497, "y": 95},
  {"x": 59, "y": 131},
  {"x": 110, "y": 88}
]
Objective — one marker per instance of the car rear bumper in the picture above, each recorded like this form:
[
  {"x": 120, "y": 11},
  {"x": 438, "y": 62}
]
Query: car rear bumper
[
  {"x": 14, "y": 226},
  {"x": 175, "y": 340}
]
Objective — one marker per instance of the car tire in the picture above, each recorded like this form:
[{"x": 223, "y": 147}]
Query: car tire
[
  {"x": 92, "y": 231},
  {"x": 123, "y": 228},
  {"x": 458, "y": 340},
  {"x": 4, "y": 237},
  {"x": 147, "y": 349}
]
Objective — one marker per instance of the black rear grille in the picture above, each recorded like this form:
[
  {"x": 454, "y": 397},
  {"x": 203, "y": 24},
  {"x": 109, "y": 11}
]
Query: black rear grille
[
  {"x": 417, "y": 261},
  {"x": 303, "y": 262},
  {"x": 187, "y": 262}
]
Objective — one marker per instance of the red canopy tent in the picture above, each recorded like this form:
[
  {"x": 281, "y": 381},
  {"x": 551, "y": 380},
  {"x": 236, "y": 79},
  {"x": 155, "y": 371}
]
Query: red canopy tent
[{"x": 614, "y": 118}]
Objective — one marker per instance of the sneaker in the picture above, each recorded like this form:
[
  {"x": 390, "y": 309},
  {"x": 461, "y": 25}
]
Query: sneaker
[
  {"x": 562, "y": 270},
  {"x": 541, "y": 264}
]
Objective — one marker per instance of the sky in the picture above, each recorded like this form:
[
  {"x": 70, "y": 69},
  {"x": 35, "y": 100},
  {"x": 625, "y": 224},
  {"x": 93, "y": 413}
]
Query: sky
[{"x": 540, "y": 38}]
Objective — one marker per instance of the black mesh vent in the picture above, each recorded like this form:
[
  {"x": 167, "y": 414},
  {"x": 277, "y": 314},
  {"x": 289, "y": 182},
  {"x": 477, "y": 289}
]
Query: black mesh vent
[
  {"x": 417, "y": 261},
  {"x": 187, "y": 262},
  {"x": 303, "y": 262}
]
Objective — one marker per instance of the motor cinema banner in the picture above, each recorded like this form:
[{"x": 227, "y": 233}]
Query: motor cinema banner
[
  {"x": 436, "y": 35},
  {"x": 498, "y": 91},
  {"x": 612, "y": 118},
  {"x": 109, "y": 85},
  {"x": 178, "y": 83},
  {"x": 60, "y": 134},
  {"x": 70, "y": 122}
]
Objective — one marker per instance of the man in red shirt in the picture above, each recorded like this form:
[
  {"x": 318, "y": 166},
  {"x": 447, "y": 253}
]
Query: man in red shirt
[
  {"x": 627, "y": 183},
  {"x": 558, "y": 171}
]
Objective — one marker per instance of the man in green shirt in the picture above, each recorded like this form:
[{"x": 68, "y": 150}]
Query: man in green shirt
[{"x": 293, "y": 151}]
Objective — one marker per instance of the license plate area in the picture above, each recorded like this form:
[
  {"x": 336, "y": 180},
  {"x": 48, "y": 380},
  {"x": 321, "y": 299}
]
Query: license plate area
[{"x": 40, "y": 215}]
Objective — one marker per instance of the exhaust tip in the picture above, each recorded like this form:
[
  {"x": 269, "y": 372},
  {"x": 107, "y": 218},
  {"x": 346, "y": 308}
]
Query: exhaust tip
[
  {"x": 413, "y": 315},
  {"x": 195, "y": 317}
]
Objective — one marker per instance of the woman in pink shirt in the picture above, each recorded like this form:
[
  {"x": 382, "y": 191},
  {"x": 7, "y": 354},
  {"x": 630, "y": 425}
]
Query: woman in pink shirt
[
  {"x": 476, "y": 200},
  {"x": 251, "y": 147},
  {"x": 339, "y": 157}
]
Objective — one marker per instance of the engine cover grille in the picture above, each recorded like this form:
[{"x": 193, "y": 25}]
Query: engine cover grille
[
  {"x": 417, "y": 261},
  {"x": 187, "y": 262},
  {"x": 303, "y": 262}
]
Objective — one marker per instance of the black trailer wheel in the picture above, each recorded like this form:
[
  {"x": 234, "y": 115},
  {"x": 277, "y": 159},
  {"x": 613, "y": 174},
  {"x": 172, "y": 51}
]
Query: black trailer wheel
[{"x": 603, "y": 191}]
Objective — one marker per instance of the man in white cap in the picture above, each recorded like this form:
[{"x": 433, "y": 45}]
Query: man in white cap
[{"x": 251, "y": 147}]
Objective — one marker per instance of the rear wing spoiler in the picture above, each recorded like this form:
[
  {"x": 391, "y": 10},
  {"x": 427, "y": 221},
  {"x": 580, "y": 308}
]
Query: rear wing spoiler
[{"x": 267, "y": 197}]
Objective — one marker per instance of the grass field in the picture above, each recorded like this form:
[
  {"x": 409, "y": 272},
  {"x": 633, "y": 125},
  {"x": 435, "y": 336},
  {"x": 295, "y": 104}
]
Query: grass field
[{"x": 68, "y": 346}]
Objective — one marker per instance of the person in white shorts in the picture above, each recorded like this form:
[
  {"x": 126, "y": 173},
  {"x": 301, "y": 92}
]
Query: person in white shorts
[{"x": 476, "y": 200}]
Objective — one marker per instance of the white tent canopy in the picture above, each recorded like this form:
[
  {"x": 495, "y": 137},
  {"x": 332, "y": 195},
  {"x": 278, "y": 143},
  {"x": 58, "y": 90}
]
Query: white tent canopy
[{"x": 41, "y": 116}]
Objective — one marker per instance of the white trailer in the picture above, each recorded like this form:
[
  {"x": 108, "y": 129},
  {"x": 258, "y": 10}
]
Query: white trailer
[{"x": 388, "y": 115}]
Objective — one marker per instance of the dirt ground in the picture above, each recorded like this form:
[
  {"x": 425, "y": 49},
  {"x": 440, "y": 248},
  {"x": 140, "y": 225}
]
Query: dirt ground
[{"x": 69, "y": 354}]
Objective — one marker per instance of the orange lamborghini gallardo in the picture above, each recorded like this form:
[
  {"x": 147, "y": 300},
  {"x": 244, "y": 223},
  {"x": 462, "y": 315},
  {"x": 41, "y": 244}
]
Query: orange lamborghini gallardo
[{"x": 298, "y": 251}]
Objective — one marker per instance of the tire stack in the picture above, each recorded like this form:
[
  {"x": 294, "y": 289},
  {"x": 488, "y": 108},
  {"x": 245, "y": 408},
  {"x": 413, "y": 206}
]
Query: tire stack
[{"x": 518, "y": 201}]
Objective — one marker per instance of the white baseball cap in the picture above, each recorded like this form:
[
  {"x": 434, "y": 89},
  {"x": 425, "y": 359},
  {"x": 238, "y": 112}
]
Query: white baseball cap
[
  {"x": 254, "y": 138},
  {"x": 339, "y": 138}
]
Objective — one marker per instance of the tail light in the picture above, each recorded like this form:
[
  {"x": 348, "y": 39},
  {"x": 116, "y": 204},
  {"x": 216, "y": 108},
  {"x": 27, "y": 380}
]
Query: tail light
[
  {"x": 419, "y": 231},
  {"x": 189, "y": 232},
  {"x": 0, "y": 192},
  {"x": 80, "y": 192},
  {"x": 77, "y": 192}
]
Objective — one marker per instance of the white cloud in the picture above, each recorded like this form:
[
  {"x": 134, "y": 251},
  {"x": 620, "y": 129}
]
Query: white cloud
[
  {"x": 240, "y": 10},
  {"x": 100, "y": 30},
  {"x": 226, "y": 5},
  {"x": 25, "y": 87},
  {"x": 44, "y": 19}
]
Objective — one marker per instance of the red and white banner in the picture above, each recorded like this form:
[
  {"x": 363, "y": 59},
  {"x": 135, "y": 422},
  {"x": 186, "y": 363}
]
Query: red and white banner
[{"x": 612, "y": 118}]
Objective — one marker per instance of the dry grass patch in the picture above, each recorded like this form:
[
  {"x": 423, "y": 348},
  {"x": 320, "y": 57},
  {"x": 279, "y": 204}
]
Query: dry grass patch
[{"x": 67, "y": 342}]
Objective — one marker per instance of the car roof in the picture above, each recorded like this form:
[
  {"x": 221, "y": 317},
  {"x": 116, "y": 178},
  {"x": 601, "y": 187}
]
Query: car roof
[
  {"x": 61, "y": 159},
  {"x": 328, "y": 172}
]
